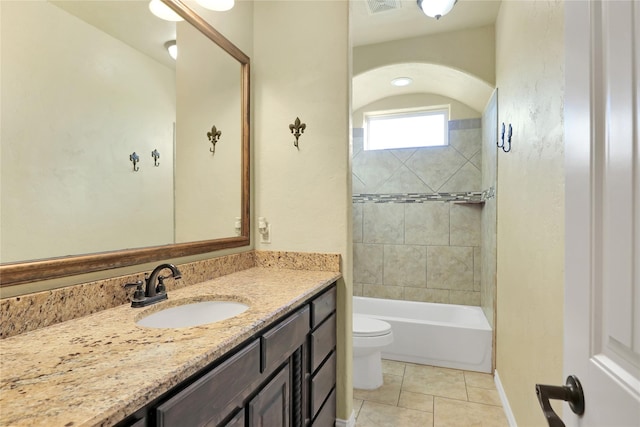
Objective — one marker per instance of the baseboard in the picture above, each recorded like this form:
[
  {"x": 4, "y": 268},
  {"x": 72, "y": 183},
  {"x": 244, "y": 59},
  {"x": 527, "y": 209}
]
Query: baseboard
[
  {"x": 351, "y": 422},
  {"x": 505, "y": 402}
]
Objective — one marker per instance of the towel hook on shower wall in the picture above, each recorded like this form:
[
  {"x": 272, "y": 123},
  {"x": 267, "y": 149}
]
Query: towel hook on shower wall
[{"x": 501, "y": 143}]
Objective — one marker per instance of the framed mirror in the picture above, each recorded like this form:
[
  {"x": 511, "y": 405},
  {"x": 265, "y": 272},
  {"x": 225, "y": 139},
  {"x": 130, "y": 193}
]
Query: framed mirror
[{"x": 113, "y": 154}]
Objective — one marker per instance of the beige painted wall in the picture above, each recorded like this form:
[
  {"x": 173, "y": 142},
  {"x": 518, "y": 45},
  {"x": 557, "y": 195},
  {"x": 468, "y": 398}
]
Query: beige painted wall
[
  {"x": 67, "y": 183},
  {"x": 207, "y": 185},
  {"x": 301, "y": 69},
  {"x": 530, "y": 287},
  {"x": 471, "y": 51}
]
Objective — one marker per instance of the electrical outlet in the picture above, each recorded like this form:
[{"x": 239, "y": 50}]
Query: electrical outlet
[{"x": 265, "y": 237}]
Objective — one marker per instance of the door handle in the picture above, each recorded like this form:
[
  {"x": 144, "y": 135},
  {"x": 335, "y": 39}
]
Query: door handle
[{"x": 571, "y": 392}]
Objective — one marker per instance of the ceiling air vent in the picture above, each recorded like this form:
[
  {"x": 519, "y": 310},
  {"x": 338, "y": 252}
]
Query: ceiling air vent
[{"x": 378, "y": 6}]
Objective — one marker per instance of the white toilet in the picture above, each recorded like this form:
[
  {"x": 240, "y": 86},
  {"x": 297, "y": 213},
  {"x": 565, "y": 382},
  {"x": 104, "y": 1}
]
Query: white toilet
[{"x": 369, "y": 337}]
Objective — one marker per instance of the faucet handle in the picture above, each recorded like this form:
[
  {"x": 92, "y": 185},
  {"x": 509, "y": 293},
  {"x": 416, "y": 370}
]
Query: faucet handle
[
  {"x": 161, "y": 287},
  {"x": 138, "y": 295}
]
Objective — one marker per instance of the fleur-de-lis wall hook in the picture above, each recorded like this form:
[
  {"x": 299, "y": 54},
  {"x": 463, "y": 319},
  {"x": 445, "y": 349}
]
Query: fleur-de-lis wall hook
[
  {"x": 135, "y": 159},
  {"x": 156, "y": 155},
  {"x": 214, "y": 135},
  {"x": 297, "y": 129}
]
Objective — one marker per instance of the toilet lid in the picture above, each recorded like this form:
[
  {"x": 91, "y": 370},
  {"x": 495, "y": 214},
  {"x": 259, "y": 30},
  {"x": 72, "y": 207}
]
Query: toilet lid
[{"x": 364, "y": 326}]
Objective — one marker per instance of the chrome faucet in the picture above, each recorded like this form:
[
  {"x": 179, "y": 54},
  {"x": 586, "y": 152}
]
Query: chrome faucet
[{"x": 153, "y": 292}]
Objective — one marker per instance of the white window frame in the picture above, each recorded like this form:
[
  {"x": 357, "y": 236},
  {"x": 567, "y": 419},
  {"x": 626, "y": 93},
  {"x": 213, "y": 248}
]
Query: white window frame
[{"x": 406, "y": 113}]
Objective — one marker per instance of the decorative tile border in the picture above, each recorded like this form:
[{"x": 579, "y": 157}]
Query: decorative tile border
[{"x": 467, "y": 197}]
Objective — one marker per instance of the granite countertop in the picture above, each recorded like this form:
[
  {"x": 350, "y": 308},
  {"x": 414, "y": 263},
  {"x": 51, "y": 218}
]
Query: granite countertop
[{"x": 98, "y": 369}]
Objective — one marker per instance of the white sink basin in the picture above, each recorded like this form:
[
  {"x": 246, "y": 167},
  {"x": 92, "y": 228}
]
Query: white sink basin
[{"x": 193, "y": 314}]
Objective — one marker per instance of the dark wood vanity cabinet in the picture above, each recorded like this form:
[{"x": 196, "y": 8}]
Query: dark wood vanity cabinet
[{"x": 284, "y": 377}]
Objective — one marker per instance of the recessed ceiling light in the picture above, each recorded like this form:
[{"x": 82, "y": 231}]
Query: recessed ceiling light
[
  {"x": 163, "y": 11},
  {"x": 401, "y": 81},
  {"x": 217, "y": 5}
]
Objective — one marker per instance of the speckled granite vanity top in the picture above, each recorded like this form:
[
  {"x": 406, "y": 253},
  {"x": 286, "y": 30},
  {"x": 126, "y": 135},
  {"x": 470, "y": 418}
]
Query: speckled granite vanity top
[{"x": 98, "y": 369}]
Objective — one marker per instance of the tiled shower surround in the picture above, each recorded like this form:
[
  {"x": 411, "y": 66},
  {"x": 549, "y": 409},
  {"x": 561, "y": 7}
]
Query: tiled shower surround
[{"x": 417, "y": 223}]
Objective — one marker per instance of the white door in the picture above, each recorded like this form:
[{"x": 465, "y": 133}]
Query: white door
[{"x": 602, "y": 290}]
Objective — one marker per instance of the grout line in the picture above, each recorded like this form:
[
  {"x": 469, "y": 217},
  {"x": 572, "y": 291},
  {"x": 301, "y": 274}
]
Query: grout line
[{"x": 404, "y": 370}]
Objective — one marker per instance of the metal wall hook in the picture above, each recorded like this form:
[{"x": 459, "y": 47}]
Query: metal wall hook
[
  {"x": 135, "y": 159},
  {"x": 156, "y": 155},
  {"x": 214, "y": 136},
  {"x": 500, "y": 143},
  {"x": 297, "y": 129}
]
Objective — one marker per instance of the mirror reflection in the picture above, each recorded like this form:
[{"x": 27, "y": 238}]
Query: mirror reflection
[{"x": 87, "y": 88}]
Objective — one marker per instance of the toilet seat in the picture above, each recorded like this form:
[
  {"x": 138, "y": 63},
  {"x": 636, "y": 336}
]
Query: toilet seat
[{"x": 364, "y": 326}]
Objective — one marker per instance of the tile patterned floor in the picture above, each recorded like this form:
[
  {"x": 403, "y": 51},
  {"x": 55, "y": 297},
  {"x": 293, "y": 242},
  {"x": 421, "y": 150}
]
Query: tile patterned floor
[{"x": 427, "y": 396}]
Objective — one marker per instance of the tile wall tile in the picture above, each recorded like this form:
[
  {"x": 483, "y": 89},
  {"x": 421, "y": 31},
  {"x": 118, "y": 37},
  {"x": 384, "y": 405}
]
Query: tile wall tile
[
  {"x": 382, "y": 291},
  {"x": 465, "y": 224},
  {"x": 434, "y": 165},
  {"x": 464, "y": 298},
  {"x": 357, "y": 289},
  {"x": 426, "y": 295},
  {"x": 357, "y": 222},
  {"x": 477, "y": 162},
  {"x": 477, "y": 268},
  {"x": 357, "y": 185},
  {"x": 450, "y": 267},
  {"x": 404, "y": 180},
  {"x": 405, "y": 265},
  {"x": 367, "y": 263},
  {"x": 467, "y": 142},
  {"x": 427, "y": 223},
  {"x": 383, "y": 223},
  {"x": 374, "y": 168},
  {"x": 466, "y": 178},
  {"x": 403, "y": 154}
]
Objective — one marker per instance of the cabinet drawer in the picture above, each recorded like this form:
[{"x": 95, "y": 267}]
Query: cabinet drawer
[
  {"x": 203, "y": 401},
  {"x": 323, "y": 306},
  {"x": 323, "y": 340},
  {"x": 327, "y": 415},
  {"x": 237, "y": 421},
  {"x": 322, "y": 383},
  {"x": 280, "y": 341}
]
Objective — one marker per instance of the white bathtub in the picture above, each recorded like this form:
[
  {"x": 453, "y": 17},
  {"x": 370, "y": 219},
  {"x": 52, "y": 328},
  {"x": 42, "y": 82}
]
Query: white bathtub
[{"x": 447, "y": 335}]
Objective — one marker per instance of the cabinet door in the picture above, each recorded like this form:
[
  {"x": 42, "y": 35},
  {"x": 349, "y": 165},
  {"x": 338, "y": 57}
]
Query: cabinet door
[{"x": 270, "y": 407}]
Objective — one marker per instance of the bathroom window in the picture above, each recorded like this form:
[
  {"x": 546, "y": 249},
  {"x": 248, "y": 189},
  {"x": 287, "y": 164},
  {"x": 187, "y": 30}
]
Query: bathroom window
[{"x": 406, "y": 129}]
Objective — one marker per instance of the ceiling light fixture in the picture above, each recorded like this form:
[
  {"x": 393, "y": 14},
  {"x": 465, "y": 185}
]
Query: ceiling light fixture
[
  {"x": 436, "y": 8},
  {"x": 402, "y": 81},
  {"x": 172, "y": 47},
  {"x": 162, "y": 11},
  {"x": 217, "y": 5}
]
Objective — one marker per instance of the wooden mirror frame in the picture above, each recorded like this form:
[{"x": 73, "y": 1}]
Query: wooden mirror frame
[{"x": 51, "y": 268}]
